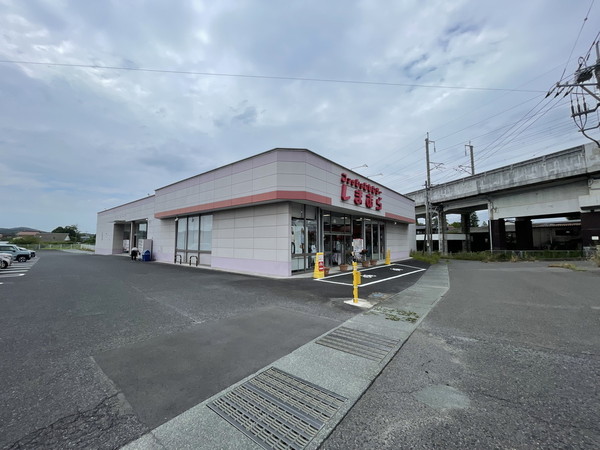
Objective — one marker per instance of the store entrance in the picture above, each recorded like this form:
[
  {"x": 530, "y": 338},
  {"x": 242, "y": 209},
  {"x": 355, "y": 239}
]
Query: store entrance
[
  {"x": 337, "y": 239},
  {"x": 374, "y": 236}
]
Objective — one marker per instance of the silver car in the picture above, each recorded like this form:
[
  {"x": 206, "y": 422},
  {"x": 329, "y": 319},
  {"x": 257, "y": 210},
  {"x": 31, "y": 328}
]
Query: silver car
[
  {"x": 31, "y": 252},
  {"x": 5, "y": 260}
]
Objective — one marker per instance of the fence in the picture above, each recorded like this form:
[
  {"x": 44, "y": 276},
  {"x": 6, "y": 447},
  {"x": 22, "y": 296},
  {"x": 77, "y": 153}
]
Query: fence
[{"x": 56, "y": 246}]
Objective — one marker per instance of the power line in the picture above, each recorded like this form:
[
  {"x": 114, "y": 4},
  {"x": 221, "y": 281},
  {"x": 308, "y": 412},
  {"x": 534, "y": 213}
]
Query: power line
[
  {"x": 269, "y": 77},
  {"x": 577, "y": 39}
]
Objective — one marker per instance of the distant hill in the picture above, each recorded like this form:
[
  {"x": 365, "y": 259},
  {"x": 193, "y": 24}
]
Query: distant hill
[{"x": 14, "y": 231}]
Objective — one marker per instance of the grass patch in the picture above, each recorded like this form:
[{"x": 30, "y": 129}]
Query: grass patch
[
  {"x": 396, "y": 314},
  {"x": 504, "y": 256},
  {"x": 595, "y": 258},
  {"x": 566, "y": 266},
  {"x": 434, "y": 258}
]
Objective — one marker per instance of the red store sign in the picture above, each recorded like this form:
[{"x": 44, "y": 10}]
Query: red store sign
[{"x": 364, "y": 193}]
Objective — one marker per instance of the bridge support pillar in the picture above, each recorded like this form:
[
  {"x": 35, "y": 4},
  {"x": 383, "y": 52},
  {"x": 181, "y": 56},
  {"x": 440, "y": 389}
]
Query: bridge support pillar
[
  {"x": 498, "y": 233},
  {"x": 443, "y": 225},
  {"x": 590, "y": 228},
  {"x": 465, "y": 220},
  {"x": 524, "y": 232}
]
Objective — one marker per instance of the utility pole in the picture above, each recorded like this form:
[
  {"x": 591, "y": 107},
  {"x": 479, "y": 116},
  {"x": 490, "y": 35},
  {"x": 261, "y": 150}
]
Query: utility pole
[
  {"x": 470, "y": 147},
  {"x": 579, "y": 88},
  {"x": 428, "y": 236}
]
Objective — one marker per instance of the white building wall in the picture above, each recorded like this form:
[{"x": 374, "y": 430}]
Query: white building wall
[
  {"x": 254, "y": 239},
  {"x": 247, "y": 235},
  {"x": 284, "y": 174}
]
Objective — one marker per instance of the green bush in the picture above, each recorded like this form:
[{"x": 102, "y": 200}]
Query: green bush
[
  {"x": 25, "y": 240},
  {"x": 434, "y": 258}
]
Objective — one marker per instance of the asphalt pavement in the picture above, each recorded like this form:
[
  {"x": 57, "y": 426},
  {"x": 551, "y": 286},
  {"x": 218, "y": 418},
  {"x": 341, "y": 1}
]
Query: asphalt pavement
[
  {"x": 510, "y": 358},
  {"x": 101, "y": 352},
  {"x": 98, "y": 350}
]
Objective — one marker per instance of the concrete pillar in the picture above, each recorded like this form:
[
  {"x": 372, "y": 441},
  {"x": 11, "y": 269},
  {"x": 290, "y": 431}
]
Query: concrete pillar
[
  {"x": 465, "y": 220},
  {"x": 498, "y": 234},
  {"x": 118, "y": 234},
  {"x": 443, "y": 227},
  {"x": 590, "y": 228},
  {"x": 524, "y": 232}
]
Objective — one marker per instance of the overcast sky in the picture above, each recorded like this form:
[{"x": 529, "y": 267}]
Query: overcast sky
[{"x": 134, "y": 95}]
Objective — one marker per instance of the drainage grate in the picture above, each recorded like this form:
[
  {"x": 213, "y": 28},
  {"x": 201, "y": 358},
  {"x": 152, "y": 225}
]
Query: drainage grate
[
  {"x": 360, "y": 343},
  {"x": 278, "y": 410}
]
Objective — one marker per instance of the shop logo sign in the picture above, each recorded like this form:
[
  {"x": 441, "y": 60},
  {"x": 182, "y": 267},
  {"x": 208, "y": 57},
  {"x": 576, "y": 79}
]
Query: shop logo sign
[{"x": 364, "y": 193}]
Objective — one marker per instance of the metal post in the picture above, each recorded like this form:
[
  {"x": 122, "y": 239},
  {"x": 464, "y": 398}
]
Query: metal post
[
  {"x": 472, "y": 159},
  {"x": 355, "y": 281}
]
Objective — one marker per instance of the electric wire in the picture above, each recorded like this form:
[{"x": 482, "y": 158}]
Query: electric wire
[
  {"x": 577, "y": 39},
  {"x": 268, "y": 77}
]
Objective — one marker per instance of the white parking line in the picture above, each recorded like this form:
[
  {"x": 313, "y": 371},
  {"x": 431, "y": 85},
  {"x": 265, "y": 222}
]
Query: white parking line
[
  {"x": 17, "y": 269},
  {"x": 328, "y": 279}
]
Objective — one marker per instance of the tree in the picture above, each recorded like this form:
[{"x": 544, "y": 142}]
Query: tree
[
  {"x": 71, "y": 230},
  {"x": 473, "y": 220},
  {"x": 91, "y": 239}
]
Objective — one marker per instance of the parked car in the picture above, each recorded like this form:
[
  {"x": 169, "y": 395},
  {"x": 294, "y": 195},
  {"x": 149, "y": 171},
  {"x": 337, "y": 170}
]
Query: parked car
[
  {"x": 31, "y": 252},
  {"x": 13, "y": 250},
  {"x": 5, "y": 260}
]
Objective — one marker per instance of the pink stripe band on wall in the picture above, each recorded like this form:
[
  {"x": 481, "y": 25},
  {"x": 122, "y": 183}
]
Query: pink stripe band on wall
[
  {"x": 399, "y": 218},
  {"x": 248, "y": 200}
]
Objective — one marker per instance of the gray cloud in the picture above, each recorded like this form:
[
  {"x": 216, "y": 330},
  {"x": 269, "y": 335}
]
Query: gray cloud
[{"x": 77, "y": 133}]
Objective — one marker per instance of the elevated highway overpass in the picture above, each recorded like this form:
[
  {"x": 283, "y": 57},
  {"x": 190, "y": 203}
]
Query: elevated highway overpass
[{"x": 561, "y": 184}]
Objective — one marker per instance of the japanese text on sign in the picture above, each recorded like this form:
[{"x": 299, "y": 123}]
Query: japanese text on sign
[{"x": 364, "y": 193}]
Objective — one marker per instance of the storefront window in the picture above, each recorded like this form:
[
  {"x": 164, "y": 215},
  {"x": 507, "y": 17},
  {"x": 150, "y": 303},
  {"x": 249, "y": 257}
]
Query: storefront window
[
  {"x": 326, "y": 222},
  {"x": 304, "y": 236},
  {"x": 206, "y": 233},
  {"x": 298, "y": 237},
  {"x": 142, "y": 230},
  {"x": 181, "y": 232},
  {"x": 311, "y": 228},
  {"x": 193, "y": 232}
]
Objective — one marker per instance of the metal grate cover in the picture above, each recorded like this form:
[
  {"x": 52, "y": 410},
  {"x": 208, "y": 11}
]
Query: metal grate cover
[
  {"x": 278, "y": 410},
  {"x": 360, "y": 343}
]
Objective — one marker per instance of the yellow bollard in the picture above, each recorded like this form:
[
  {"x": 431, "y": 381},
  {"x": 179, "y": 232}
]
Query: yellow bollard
[
  {"x": 319, "y": 265},
  {"x": 388, "y": 257},
  {"x": 355, "y": 281}
]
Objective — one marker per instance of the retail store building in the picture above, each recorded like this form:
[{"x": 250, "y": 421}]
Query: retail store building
[{"x": 268, "y": 214}]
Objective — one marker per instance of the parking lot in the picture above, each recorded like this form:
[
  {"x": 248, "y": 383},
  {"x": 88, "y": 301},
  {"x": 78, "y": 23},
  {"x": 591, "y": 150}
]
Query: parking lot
[
  {"x": 99, "y": 349},
  {"x": 387, "y": 274},
  {"x": 17, "y": 269}
]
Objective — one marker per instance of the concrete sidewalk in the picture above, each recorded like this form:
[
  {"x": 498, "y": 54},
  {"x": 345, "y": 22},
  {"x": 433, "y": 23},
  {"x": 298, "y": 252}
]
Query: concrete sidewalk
[{"x": 332, "y": 371}]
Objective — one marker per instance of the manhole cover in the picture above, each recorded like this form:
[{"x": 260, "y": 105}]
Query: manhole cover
[
  {"x": 367, "y": 345},
  {"x": 278, "y": 410}
]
